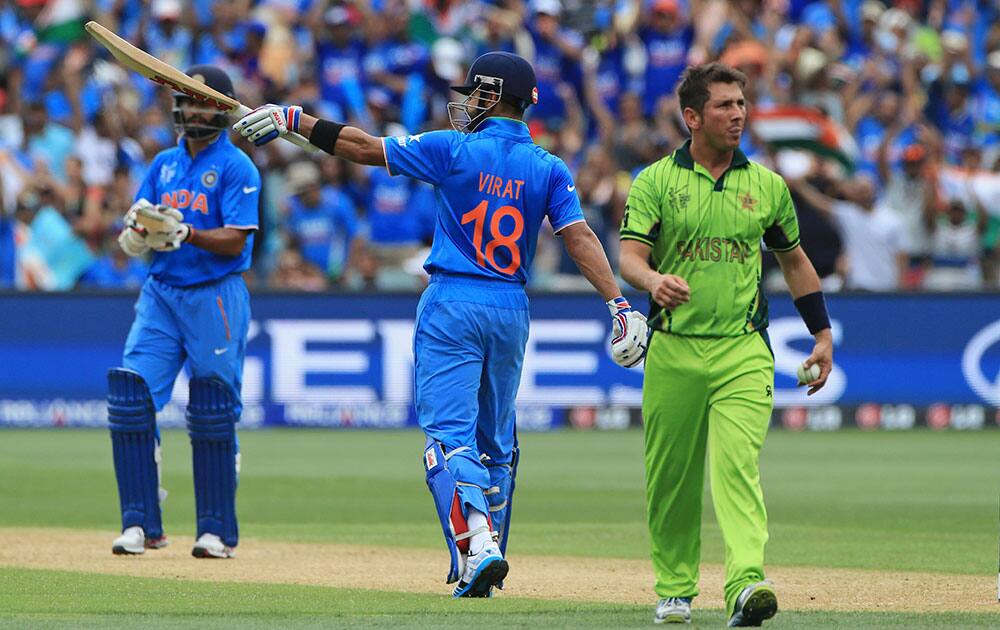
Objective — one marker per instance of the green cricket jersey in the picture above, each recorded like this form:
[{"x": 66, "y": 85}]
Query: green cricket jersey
[{"x": 709, "y": 232}]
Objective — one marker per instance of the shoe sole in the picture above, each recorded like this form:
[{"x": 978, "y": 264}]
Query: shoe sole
[
  {"x": 761, "y": 605},
  {"x": 488, "y": 576},
  {"x": 201, "y": 552},
  {"x": 122, "y": 550},
  {"x": 673, "y": 619}
]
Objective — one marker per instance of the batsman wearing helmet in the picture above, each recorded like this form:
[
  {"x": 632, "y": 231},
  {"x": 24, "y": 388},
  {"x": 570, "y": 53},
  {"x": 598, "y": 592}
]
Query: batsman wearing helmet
[
  {"x": 197, "y": 211},
  {"x": 691, "y": 238},
  {"x": 493, "y": 189}
]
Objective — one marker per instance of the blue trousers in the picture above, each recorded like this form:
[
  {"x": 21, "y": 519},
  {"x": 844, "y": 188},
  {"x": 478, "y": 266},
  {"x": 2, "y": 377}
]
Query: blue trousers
[
  {"x": 205, "y": 326},
  {"x": 468, "y": 349}
]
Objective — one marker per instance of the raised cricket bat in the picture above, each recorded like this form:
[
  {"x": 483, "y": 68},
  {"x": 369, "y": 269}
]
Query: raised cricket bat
[{"x": 164, "y": 74}]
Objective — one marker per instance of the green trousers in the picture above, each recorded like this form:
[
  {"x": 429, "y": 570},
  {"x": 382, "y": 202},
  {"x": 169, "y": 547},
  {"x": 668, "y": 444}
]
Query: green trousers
[{"x": 698, "y": 392}]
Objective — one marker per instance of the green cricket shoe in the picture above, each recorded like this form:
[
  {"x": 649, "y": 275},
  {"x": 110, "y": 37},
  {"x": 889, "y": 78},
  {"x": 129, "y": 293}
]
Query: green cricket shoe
[{"x": 756, "y": 603}]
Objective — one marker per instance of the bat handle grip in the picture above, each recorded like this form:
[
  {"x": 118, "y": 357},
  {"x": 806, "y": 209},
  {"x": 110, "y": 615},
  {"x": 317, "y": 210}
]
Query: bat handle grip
[{"x": 292, "y": 137}]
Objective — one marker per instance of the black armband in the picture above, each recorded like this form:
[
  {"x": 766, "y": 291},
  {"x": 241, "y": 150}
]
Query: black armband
[
  {"x": 812, "y": 308},
  {"x": 324, "y": 135}
]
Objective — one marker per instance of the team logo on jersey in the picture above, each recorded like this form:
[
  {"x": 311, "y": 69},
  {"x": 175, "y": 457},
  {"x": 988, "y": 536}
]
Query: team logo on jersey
[
  {"x": 209, "y": 179},
  {"x": 747, "y": 202},
  {"x": 167, "y": 172},
  {"x": 678, "y": 198},
  {"x": 405, "y": 140}
]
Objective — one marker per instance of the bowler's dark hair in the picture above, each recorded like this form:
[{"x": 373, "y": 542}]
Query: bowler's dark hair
[{"x": 694, "y": 89}]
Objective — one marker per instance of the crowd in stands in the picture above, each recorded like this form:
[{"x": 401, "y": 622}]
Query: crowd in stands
[{"x": 884, "y": 118}]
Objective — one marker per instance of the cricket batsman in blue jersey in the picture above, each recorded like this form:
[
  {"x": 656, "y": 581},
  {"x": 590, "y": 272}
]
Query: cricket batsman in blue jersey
[
  {"x": 493, "y": 188},
  {"x": 197, "y": 210}
]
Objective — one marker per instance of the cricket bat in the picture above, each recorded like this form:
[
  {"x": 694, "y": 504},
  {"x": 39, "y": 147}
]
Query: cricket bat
[{"x": 164, "y": 74}]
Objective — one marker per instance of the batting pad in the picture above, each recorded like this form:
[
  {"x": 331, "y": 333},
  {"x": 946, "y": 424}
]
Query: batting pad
[
  {"x": 444, "y": 491},
  {"x": 132, "y": 421},
  {"x": 211, "y": 424},
  {"x": 500, "y": 494}
]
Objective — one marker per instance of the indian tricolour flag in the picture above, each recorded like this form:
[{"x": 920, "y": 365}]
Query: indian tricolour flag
[{"x": 796, "y": 127}]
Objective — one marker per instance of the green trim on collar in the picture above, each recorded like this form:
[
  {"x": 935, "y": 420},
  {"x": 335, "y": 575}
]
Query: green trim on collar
[{"x": 682, "y": 155}]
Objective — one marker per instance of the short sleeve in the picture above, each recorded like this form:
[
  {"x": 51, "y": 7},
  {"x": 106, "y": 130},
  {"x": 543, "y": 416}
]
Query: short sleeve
[
  {"x": 240, "y": 195},
  {"x": 425, "y": 156},
  {"x": 564, "y": 204},
  {"x": 642, "y": 211},
  {"x": 783, "y": 233}
]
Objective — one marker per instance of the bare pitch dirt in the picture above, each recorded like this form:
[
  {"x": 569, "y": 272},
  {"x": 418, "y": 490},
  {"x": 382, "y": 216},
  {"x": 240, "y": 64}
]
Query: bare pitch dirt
[{"x": 423, "y": 571}]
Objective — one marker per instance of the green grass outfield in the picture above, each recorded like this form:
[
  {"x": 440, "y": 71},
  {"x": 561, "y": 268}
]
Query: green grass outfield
[{"x": 907, "y": 501}]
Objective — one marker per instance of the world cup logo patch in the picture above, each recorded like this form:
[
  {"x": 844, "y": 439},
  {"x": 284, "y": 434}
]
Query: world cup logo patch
[{"x": 209, "y": 179}]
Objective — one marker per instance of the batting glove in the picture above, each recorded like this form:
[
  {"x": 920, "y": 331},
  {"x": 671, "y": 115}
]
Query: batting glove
[
  {"x": 629, "y": 333},
  {"x": 132, "y": 238},
  {"x": 165, "y": 231},
  {"x": 269, "y": 122}
]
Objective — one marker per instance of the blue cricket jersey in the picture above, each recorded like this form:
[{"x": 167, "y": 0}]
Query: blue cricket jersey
[
  {"x": 220, "y": 187},
  {"x": 492, "y": 188}
]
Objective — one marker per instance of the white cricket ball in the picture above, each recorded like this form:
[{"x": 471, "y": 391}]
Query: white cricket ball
[{"x": 807, "y": 375}]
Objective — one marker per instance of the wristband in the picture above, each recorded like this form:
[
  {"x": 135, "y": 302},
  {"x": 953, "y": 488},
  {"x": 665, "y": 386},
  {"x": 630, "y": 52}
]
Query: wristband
[
  {"x": 324, "y": 135},
  {"x": 190, "y": 234},
  {"x": 293, "y": 115},
  {"x": 812, "y": 308}
]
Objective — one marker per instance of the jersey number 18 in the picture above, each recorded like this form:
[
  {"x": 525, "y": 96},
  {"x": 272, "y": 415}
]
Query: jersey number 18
[{"x": 477, "y": 216}]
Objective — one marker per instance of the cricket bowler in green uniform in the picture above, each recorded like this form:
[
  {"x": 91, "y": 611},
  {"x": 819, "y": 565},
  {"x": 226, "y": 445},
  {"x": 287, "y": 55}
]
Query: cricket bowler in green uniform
[{"x": 691, "y": 238}]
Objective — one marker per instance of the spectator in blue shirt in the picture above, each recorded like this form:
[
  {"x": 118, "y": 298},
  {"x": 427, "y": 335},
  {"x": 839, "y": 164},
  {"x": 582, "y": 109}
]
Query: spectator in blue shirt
[
  {"x": 322, "y": 221},
  {"x": 557, "y": 59},
  {"x": 115, "y": 269},
  {"x": 667, "y": 38},
  {"x": 339, "y": 55}
]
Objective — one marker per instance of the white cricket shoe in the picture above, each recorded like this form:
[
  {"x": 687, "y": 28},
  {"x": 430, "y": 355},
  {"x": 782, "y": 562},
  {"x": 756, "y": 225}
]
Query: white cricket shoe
[
  {"x": 673, "y": 610},
  {"x": 211, "y": 546},
  {"x": 133, "y": 542},
  {"x": 483, "y": 571}
]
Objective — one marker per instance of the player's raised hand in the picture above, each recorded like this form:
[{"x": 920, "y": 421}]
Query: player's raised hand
[
  {"x": 629, "y": 333},
  {"x": 822, "y": 355},
  {"x": 670, "y": 291},
  {"x": 268, "y": 122}
]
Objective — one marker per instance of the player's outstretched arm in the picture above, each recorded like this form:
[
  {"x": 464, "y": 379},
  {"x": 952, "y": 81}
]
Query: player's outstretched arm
[
  {"x": 803, "y": 282},
  {"x": 268, "y": 122}
]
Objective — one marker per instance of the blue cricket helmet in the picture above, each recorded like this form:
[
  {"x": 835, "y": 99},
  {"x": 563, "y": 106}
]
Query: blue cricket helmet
[
  {"x": 493, "y": 77},
  {"x": 517, "y": 76}
]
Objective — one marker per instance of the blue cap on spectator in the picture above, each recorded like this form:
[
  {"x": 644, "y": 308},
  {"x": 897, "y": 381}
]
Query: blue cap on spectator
[
  {"x": 257, "y": 28},
  {"x": 818, "y": 17}
]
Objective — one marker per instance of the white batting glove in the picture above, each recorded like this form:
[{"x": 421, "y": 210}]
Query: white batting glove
[
  {"x": 629, "y": 333},
  {"x": 132, "y": 242},
  {"x": 268, "y": 122},
  {"x": 132, "y": 238},
  {"x": 165, "y": 231}
]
